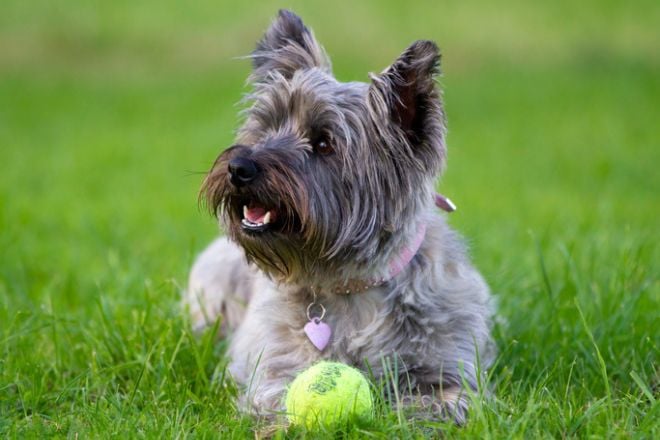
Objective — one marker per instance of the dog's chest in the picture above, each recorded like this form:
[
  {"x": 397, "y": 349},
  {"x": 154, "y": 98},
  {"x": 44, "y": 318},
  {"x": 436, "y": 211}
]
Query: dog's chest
[{"x": 355, "y": 323}]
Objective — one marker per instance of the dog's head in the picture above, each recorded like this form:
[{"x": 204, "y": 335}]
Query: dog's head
[{"x": 325, "y": 174}]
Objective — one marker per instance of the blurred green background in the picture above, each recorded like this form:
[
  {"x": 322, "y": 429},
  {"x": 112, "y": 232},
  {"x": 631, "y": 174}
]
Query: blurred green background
[{"x": 110, "y": 112}]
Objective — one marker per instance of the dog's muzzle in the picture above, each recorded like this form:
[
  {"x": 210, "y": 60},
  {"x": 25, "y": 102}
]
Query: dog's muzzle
[{"x": 255, "y": 216}]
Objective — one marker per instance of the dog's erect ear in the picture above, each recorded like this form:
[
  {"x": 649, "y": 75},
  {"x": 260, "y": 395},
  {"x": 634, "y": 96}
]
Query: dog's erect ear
[
  {"x": 406, "y": 93},
  {"x": 287, "y": 46}
]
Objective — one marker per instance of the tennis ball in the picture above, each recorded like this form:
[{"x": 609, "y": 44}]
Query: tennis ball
[{"x": 327, "y": 393}]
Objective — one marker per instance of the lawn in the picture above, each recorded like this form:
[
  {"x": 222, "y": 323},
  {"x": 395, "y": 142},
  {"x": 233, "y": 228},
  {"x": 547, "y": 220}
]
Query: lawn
[{"x": 110, "y": 113}]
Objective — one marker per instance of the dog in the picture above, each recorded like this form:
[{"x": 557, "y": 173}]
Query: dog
[{"x": 335, "y": 249}]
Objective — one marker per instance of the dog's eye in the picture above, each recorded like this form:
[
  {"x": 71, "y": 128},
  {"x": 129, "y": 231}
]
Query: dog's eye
[{"x": 323, "y": 147}]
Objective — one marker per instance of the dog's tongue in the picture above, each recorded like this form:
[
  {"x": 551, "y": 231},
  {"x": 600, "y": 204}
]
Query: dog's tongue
[
  {"x": 255, "y": 214},
  {"x": 258, "y": 214}
]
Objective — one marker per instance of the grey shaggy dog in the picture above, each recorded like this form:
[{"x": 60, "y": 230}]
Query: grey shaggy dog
[{"x": 328, "y": 184}]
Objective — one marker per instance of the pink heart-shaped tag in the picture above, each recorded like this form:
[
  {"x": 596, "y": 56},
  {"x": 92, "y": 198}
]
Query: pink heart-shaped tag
[{"x": 318, "y": 332}]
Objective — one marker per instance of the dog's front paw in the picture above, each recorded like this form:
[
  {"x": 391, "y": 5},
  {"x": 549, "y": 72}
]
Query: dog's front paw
[{"x": 449, "y": 405}]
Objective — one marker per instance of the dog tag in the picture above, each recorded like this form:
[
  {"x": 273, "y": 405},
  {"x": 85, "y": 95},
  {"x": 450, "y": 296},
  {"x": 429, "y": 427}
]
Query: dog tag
[{"x": 318, "y": 332}]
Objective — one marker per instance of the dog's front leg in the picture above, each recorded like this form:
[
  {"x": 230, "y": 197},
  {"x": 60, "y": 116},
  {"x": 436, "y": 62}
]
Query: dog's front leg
[
  {"x": 267, "y": 400},
  {"x": 265, "y": 359},
  {"x": 447, "y": 403}
]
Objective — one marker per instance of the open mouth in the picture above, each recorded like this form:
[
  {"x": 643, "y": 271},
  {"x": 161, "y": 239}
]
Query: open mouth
[{"x": 257, "y": 218}]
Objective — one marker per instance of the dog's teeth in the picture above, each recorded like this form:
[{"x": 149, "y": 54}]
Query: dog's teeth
[
  {"x": 267, "y": 218},
  {"x": 245, "y": 211}
]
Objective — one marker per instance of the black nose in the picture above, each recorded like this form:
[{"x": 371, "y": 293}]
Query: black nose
[{"x": 242, "y": 171}]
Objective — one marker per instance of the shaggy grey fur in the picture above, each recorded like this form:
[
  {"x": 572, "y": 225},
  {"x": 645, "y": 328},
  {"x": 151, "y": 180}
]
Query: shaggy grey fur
[{"x": 348, "y": 171}]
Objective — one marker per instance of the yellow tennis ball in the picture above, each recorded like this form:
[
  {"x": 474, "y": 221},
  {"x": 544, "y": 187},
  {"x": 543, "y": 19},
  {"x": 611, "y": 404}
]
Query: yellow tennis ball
[{"x": 327, "y": 393}]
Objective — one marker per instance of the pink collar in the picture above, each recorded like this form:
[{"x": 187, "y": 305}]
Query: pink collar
[
  {"x": 318, "y": 332},
  {"x": 401, "y": 260},
  {"x": 395, "y": 266}
]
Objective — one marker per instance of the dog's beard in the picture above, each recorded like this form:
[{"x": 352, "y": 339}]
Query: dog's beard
[
  {"x": 267, "y": 218},
  {"x": 269, "y": 230}
]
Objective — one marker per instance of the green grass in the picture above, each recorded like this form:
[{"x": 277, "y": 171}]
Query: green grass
[{"x": 110, "y": 112}]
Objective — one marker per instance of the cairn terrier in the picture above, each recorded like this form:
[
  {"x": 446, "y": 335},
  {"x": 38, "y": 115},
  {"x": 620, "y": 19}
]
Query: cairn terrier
[{"x": 334, "y": 247}]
